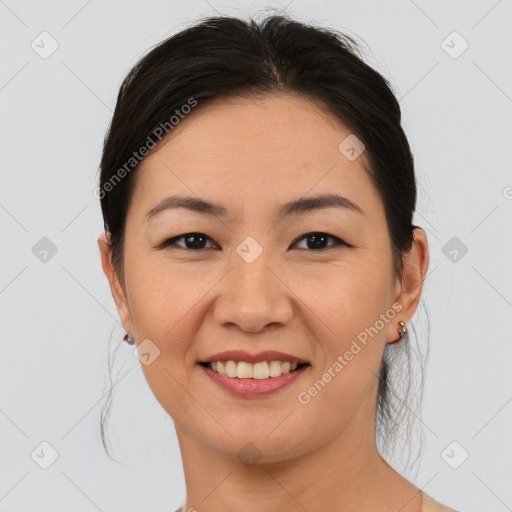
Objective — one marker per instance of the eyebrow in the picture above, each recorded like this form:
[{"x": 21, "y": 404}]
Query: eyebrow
[{"x": 296, "y": 207}]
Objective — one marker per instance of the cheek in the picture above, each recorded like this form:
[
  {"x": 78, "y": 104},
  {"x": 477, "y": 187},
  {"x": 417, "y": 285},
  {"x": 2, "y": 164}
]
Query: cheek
[
  {"x": 350, "y": 298},
  {"x": 160, "y": 297},
  {"x": 350, "y": 313},
  {"x": 349, "y": 335}
]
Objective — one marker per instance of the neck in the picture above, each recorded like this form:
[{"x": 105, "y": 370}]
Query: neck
[{"x": 345, "y": 474}]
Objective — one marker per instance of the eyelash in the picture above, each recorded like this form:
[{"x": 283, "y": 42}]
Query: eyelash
[{"x": 338, "y": 241}]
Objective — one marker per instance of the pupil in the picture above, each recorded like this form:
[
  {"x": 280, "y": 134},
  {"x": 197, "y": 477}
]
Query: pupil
[
  {"x": 195, "y": 245},
  {"x": 317, "y": 237}
]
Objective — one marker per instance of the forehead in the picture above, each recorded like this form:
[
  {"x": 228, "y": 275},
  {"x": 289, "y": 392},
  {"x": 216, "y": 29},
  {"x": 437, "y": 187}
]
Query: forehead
[{"x": 262, "y": 150}]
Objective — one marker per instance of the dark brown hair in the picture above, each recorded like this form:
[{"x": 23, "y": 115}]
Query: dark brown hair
[{"x": 225, "y": 56}]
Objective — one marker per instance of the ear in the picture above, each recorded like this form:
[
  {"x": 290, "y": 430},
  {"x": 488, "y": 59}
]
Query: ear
[
  {"x": 411, "y": 284},
  {"x": 117, "y": 290}
]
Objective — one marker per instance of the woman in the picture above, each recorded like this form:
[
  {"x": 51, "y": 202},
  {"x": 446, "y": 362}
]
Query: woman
[{"x": 258, "y": 190}]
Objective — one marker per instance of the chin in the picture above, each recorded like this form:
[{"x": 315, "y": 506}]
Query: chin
[{"x": 259, "y": 446}]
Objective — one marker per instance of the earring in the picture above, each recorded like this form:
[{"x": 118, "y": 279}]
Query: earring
[
  {"x": 128, "y": 338},
  {"x": 403, "y": 330}
]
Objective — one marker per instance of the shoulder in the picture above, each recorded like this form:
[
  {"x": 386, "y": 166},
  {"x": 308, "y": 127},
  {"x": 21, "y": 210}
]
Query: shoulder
[{"x": 431, "y": 505}]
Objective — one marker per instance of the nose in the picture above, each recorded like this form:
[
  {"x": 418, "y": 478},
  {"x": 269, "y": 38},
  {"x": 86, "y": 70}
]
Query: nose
[{"x": 254, "y": 296}]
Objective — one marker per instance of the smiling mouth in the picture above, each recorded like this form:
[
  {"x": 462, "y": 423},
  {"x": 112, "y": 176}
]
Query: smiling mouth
[{"x": 259, "y": 371}]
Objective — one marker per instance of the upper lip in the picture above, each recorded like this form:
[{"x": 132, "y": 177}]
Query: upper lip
[{"x": 241, "y": 355}]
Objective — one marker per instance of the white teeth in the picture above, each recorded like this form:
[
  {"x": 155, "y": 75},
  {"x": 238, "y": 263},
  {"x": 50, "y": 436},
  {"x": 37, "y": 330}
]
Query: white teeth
[
  {"x": 275, "y": 368},
  {"x": 231, "y": 367},
  {"x": 244, "y": 370},
  {"x": 260, "y": 370}
]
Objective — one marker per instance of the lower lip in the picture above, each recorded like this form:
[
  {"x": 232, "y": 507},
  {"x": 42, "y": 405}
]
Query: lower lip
[{"x": 254, "y": 387}]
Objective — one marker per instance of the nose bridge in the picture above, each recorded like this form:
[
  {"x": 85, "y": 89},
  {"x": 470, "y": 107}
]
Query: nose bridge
[
  {"x": 251, "y": 270},
  {"x": 252, "y": 275},
  {"x": 252, "y": 295}
]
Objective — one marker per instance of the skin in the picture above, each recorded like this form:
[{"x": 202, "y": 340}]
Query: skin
[{"x": 252, "y": 155}]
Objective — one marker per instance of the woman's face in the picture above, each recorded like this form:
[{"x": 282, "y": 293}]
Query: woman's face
[{"x": 253, "y": 281}]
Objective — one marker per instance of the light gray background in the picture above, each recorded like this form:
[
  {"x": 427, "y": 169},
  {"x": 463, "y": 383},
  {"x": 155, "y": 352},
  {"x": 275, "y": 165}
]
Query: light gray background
[{"x": 57, "y": 316}]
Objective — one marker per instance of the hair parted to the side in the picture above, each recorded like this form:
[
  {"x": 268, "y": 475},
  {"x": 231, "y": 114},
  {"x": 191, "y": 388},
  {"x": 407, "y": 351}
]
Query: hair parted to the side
[{"x": 224, "y": 56}]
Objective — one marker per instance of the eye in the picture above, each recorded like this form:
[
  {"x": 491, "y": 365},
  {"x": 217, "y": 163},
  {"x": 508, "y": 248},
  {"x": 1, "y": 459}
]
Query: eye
[
  {"x": 197, "y": 241},
  {"x": 193, "y": 241},
  {"x": 318, "y": 239}
]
